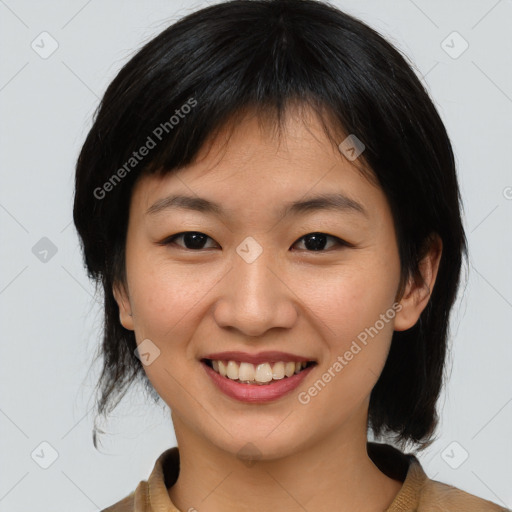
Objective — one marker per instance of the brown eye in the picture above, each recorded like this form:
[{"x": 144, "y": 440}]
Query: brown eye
[
  {"x": 192, "y": 240},
  {"x": 316, "y": 242}
]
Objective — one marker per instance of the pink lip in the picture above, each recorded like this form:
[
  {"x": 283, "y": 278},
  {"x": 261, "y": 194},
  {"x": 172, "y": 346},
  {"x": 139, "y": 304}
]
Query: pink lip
[
  {"x": 254, "y": 393},
  {"x": 260, "y": 357}
]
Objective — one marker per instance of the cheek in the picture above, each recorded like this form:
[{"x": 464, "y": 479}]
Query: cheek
[
  {"x": 166, "y": 306},
  {"x": 163, "y": 300},
  {"x": 350, "y": 300},
  {"x": 355, "y": 309},
  {"x": 356, "y": 321}
]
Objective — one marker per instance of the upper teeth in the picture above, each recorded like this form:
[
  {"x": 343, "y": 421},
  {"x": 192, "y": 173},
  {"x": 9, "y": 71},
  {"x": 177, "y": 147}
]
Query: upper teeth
[{"x": 264, "y": 372}]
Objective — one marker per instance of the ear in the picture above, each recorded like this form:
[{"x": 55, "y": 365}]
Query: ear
[
  {"x": 123, "y": 301},
  {"x": 419, "y": 287}
]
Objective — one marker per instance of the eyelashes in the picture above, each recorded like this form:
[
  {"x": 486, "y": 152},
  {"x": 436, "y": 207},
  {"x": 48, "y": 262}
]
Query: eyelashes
[{"x": 315, "y": 240}]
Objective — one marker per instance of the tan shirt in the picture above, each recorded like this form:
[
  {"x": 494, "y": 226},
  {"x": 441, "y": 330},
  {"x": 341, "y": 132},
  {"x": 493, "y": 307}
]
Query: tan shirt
[{"x": 418, "y": 492}]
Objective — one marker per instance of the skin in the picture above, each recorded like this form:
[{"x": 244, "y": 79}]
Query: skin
[{"x": 191, "y": 302}]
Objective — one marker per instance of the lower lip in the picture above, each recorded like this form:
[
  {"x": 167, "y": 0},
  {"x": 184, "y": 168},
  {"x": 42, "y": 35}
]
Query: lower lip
[{"x": 255, "y": 393}]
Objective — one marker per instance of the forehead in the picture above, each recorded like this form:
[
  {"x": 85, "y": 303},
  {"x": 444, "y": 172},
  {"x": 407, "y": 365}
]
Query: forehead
[{"x": 246, "y": 166}]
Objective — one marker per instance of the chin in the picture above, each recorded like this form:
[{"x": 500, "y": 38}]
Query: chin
[{"x": 256, "y": 445}]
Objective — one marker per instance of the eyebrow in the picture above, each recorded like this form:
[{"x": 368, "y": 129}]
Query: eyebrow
[{"x": 322, "y": 202}]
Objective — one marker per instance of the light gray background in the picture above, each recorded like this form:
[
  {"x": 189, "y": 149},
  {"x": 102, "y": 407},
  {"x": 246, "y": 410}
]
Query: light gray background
[{"x": 51, "y": 323}]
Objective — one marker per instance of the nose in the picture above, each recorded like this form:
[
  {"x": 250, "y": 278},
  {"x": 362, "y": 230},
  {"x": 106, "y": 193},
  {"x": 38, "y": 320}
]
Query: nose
[{"x": 255, "y": 297}]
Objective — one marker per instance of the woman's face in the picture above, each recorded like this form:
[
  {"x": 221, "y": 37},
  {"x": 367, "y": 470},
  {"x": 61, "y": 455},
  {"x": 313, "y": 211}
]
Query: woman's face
[{"x": 252, "y": 282}]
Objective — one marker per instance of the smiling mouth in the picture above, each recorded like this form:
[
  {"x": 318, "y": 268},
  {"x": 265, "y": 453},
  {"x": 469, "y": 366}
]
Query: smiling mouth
[{"x": 259, "y": 374}]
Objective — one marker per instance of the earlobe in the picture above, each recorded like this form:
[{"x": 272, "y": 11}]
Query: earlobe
[
  {"x": 419, "y": 287},
  {"x": 125, "y": 311}
]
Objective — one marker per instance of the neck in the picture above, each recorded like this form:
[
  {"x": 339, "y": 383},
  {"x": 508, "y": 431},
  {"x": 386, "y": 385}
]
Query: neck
[{"x": 335, "y": 473}]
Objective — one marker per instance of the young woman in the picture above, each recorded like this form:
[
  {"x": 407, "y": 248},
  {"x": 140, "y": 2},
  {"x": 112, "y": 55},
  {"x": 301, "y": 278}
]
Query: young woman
[{"x": 269, "y": 200}]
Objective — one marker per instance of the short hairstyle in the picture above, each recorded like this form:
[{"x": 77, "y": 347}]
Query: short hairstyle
[{"x": 204, "y": 70}]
